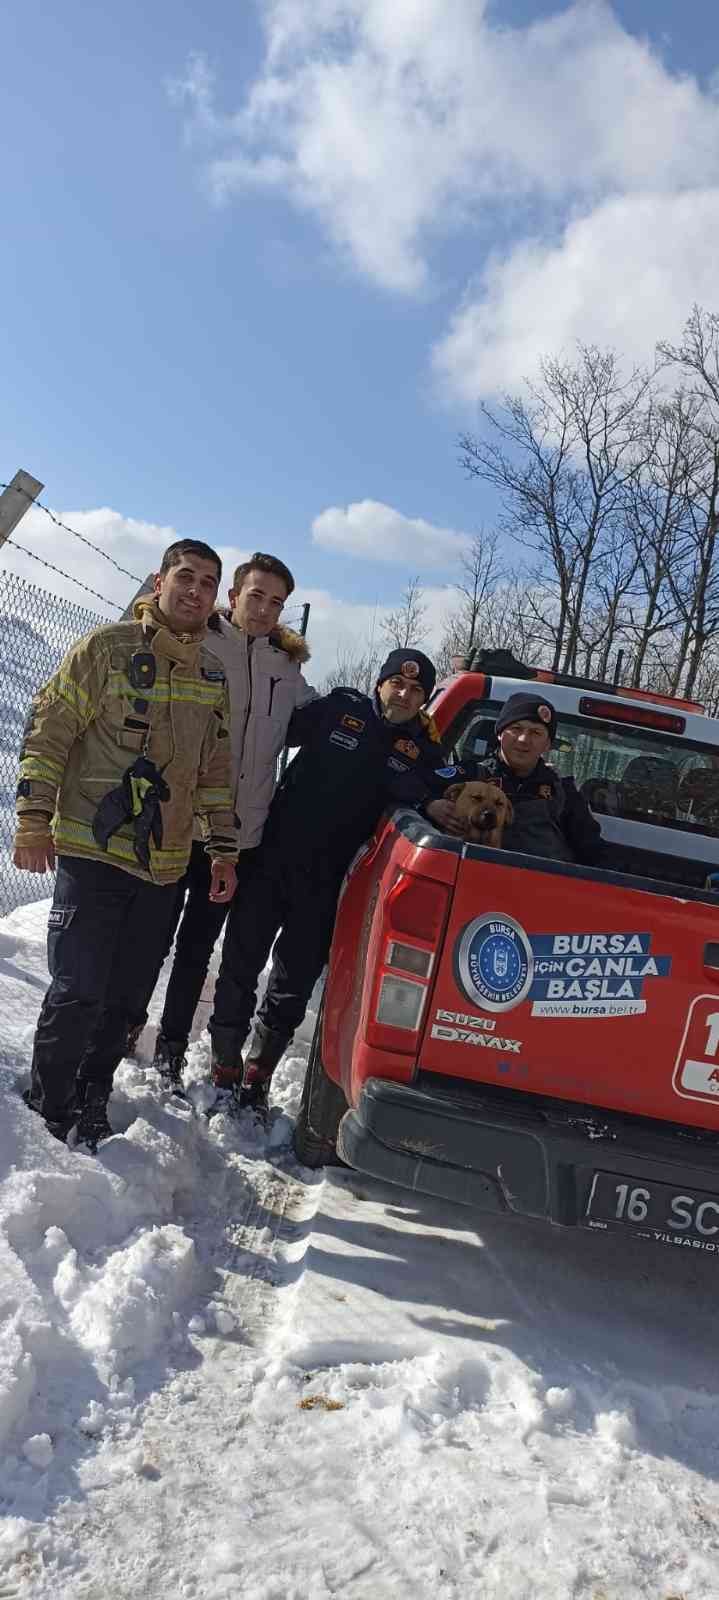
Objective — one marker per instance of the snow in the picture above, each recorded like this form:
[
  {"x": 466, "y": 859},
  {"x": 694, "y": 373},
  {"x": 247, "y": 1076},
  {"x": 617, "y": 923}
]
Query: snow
[{"x": 222, "y": 1375}]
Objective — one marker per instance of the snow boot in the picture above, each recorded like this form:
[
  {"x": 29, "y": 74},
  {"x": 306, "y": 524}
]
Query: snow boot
[
  {"x": 268, "y": 1044},
  {"x": 169, "y": 1061},
  {"x": 92, "y": 1123},
  {"x": 226, "y": 1076}
]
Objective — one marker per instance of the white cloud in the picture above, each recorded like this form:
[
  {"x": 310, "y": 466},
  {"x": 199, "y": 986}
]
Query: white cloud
[
  {"x": 133, "y": 544},
  {"x": 340, "y": 628},
  {"x": 622, "y": 276},
  {"x": 393, "y": 122},
  {"x": 375, "y": 532},
  {"x": 337, "y": 626}
]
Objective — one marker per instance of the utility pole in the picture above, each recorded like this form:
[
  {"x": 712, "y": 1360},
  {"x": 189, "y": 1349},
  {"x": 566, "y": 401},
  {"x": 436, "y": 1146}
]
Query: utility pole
[{"x": 16, "y": 500}]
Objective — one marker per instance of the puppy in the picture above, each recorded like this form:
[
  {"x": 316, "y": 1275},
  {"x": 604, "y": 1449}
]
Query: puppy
[{"x": 485, "y": 810}]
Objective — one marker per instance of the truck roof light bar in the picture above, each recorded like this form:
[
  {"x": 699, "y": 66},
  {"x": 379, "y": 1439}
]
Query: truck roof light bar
[{"x": 638, "y": 716}]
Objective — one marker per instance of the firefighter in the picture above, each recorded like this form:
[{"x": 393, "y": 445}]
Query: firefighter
[
  {"x": 357, "y": 755},
  {"x": 123, "y": 745},
  {"x": 551, "y": 817}
]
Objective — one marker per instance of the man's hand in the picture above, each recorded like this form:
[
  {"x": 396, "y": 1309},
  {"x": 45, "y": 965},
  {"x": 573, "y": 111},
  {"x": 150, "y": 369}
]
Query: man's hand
[
  {"x": 36, "y": 857},
  {"x": 443, "y": 813},
  {"x": 224, "y": 882}
]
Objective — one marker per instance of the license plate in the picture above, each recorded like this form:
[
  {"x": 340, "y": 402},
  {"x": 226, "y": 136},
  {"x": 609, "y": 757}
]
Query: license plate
[{"x": 683, "y": 1217}]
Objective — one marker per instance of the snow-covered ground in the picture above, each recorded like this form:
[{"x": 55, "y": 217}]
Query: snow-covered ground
[{"x": 222, "y": 1375}]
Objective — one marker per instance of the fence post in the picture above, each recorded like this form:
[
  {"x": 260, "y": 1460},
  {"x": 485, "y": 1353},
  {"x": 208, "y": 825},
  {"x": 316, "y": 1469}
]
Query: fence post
[{"x": 16, "y": 500}]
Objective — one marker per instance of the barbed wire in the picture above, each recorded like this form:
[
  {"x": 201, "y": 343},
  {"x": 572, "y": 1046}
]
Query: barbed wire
[
  {"x": 61, "y": 574},
  {"x": 67, "y": 529},
  {"x": 98, "y": 551}
]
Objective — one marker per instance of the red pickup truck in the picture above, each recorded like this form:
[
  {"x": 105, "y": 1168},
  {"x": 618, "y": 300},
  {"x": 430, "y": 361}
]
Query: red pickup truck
[{"x": 527, "y": 1036}]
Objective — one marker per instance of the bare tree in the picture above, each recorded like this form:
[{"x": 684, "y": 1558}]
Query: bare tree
[
  {"x": 560, "y": 459},
  {"x": 353, "y": 669},
  {"x": 697, "y": 357},
  {"x": 480, "y": 572},
  {"x": 406, "y": 627}
]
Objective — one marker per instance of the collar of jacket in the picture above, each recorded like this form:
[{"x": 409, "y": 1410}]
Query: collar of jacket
[
  {"x": 293, "y": 644},
  {"x": 541, "y": 773},
  {"x": 180, "y": 647}
]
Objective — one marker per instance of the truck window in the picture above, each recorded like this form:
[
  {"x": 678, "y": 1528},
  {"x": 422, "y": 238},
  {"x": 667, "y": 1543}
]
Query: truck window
[{"x": 623, "y": 771}]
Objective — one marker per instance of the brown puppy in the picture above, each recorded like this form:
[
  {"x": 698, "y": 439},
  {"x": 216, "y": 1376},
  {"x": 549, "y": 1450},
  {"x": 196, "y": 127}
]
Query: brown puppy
[{"x": 485, "y": 810}]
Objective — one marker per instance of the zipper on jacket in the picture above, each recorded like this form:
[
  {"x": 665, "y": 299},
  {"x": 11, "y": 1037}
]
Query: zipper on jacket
[{"x": 249, "y": 700}]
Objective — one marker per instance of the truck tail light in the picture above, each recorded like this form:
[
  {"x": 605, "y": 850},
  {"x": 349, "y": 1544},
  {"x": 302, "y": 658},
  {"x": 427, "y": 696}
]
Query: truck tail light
[
  {"x": 415, "y": 908},
  {"x": 400, "y": 1003},
  {"x": 410, "y": 958}
]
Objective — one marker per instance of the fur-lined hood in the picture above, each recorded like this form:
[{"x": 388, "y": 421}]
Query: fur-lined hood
[{"x": 282, "y": 637}]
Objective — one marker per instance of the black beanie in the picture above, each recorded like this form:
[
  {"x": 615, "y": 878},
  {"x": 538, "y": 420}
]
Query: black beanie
[
  {"x": 523, "y": 707},
  {"x": 410, "y": 664}
]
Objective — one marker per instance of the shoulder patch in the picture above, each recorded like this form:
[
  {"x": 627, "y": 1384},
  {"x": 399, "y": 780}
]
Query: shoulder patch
[
  {"x": 355, "y": 723},
  {"x": 407, "y": 747},
  {"x": 446, "y": 772}
]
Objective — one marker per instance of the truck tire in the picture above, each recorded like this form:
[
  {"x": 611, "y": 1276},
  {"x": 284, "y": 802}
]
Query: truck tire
[{"x": 322, "y": 1106}]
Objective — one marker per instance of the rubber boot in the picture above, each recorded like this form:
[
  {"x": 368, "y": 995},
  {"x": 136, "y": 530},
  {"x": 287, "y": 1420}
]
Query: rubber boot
[
  {"x": 169, "y": 1061},
  {"x": 268, "y": 1044},
  {"x": 226, "y": 1075}
]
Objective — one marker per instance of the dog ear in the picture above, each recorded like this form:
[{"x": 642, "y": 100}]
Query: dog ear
[{"x": 453, "y": 792}]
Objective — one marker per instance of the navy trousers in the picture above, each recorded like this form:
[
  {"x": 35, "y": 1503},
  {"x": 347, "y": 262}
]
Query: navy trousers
[
  {"x": 294, "y": 904},
  {"x": 106, "y": 931}
]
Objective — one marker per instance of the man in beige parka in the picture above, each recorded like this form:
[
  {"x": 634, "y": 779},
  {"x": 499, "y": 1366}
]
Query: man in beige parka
[{"x": 124, "y": 745}]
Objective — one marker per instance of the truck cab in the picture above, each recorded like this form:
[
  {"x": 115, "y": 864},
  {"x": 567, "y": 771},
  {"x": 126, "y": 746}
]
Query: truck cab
[{"x": 525, "y": 1035}]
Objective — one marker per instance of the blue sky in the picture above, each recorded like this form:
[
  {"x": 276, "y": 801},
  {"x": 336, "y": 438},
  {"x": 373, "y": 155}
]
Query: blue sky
[{"x": 240, "y": 310}]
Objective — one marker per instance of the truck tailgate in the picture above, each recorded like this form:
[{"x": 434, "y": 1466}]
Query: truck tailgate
[{"x": 586, "y": 986}]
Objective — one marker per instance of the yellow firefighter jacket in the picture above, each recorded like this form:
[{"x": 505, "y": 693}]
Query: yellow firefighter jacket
[{"x": 90, "y": 723}]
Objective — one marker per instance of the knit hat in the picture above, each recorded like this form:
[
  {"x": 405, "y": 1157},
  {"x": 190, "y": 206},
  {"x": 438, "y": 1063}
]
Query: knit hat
[
  {"x": 523, "y": 707},
  {"x": 412, "y": 665}
]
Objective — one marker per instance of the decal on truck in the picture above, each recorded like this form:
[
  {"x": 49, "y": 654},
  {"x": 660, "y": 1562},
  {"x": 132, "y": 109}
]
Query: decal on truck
[
  {"x": 494, "y": 962},
  {"x": 498, "y": 965},
  {"x": 696, "y": 1071},
  {"x": 468, "y": 1029},
  {"x": 593, "y": 974}
]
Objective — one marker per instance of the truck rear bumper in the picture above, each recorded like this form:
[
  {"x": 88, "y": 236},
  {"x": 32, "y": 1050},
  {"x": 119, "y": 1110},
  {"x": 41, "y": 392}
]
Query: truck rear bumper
[{"x": 498, "y": 1158}]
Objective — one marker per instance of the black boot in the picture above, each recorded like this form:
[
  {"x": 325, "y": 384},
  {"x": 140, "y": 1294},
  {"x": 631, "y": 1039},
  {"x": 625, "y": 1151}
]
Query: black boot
[
  {"x": 169, "y": 1059},
  {"x": 268, "y": 1044},
  {"x": 92, "y": 1123}
]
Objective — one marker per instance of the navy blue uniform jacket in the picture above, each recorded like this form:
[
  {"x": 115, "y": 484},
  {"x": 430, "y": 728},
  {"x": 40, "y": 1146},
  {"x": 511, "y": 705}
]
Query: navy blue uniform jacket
[{"x": 352, "y": 764}]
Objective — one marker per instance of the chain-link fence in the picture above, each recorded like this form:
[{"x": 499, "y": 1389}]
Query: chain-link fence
[{"x": 36, "y": 629}]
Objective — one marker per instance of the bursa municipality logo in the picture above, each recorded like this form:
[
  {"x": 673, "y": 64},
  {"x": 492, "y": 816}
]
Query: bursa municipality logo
[{"x": 495, "y": 963}]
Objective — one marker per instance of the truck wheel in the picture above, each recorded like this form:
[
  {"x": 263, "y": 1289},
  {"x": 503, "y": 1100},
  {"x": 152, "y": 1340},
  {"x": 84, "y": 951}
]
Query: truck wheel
[{"x": 322, "y": 1106}]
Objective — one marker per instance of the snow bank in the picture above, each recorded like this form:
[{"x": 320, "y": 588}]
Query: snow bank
[{"x": 106, "y": 1262}]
